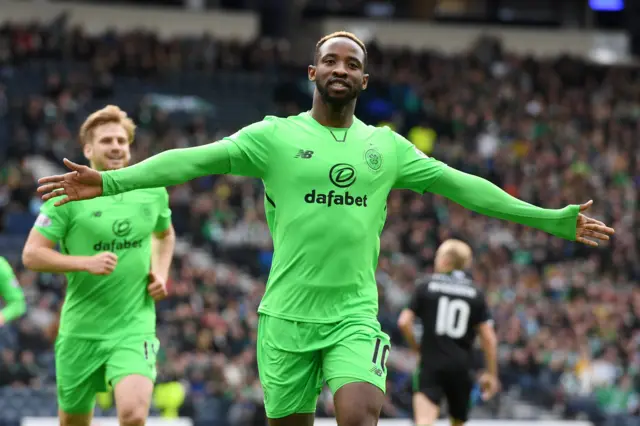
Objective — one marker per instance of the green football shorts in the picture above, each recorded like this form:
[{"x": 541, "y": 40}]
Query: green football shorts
[
  {"x": 294, "y": 358},
  {"x": 85, "y": 367}
]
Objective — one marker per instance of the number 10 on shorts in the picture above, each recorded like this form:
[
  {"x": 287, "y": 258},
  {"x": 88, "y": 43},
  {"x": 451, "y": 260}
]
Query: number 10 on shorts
[{"x": 383, "y": 354}]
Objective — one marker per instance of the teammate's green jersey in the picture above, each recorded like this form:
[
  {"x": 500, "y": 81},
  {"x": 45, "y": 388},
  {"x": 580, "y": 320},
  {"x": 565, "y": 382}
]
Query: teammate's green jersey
[
  {"x": 115, "y": 305},
  {"x": 326, "y": 192},
  {"x": 10, "y": 293}
]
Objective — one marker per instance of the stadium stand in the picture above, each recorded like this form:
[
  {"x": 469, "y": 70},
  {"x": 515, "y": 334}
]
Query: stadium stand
[{"x": 552, "y": 132}]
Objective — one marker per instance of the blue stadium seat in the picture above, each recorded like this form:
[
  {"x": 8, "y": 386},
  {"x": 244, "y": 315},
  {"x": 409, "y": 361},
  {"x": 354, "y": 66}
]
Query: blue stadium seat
[
  {"x": 18, "y": 223},
  {"x": 209, "y": 409}
]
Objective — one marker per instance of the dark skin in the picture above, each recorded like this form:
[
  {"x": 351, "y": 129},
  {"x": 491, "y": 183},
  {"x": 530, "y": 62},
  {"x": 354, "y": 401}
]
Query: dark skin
[
  {"x": 356, "y": 404},
  {"x": 340, "y": 76}
]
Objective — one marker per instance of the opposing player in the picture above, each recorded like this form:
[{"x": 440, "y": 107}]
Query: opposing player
[
  {"x": 452, "y": 312},
  {"x": 11, "y": 293},
  {"x": 116, "y": 252},
  {"x": 326, "y": 176}
]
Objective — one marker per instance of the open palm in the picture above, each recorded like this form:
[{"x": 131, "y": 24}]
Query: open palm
[
  {"x": 589, "y": 230},
  {"x": 82, "y": 183}
]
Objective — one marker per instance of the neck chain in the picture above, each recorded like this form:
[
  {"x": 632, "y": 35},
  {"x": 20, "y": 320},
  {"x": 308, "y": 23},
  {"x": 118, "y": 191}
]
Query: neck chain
[{"x": 344, "y": 137}]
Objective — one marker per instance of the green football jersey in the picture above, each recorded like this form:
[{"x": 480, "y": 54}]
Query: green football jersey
[
  {"x": 10, "y": 293},
  {"x": 115, "y": 305},
  {"x": 325, "y": 198}
]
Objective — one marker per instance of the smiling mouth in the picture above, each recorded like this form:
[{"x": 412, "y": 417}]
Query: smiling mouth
[{"x": 339, "y": 84}]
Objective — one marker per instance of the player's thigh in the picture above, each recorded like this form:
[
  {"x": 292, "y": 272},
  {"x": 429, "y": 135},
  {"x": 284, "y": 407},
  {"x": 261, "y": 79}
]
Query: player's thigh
[
  {"x": 457, "y": 390},
  {"x": 355, "y": 369},
  {"x": 425, "y": 412},
  {"x": 131, "y": 370},
  {"x": 291, "y": 381},
  {"x": 293, "y": 420},
  {"x": 135, "y": 355},
  {"x": 133, "y": 398},
  {"x": 357, "y": 403},
  {"x": 428, "y": 382},
  {"x": 80, "y": 372},
  {"x": 360, "y": 355},
  {"x": 427, "y": 396}
]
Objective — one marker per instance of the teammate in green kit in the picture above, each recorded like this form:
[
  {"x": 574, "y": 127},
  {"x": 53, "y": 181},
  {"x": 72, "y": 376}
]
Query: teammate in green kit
[
  {"x": 326, "y": 176},
  {"x": 116, "y": 253},
  {"x": 10, "y": 293}
]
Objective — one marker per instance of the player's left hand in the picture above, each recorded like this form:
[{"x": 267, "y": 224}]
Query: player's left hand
[
  {"x": 490, "y": 385},
  {"x": 591, "y": 228},
  {"x": 82, "y": 183},
  {"x": 157, "y": 287}
]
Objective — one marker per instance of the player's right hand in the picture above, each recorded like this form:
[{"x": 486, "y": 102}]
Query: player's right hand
[
  {"x": 102, "y": 263},
  {"x": 489, "y": 384},
  {"x": 82, "y": 183}
]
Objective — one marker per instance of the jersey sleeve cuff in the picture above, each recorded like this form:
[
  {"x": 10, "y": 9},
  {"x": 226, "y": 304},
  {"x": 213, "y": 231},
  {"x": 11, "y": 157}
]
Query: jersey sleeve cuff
[
  {"x": 107, "y": 184},
  {"x": 163, "y": 224}
]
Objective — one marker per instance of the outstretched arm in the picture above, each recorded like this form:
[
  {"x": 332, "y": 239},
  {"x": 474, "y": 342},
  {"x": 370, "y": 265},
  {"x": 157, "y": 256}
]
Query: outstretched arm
[
  {"x": 169, "y": 168},
  {"x": 481, "y": 196},
  {"x": 246, "y": 153},
  {"x": 418, "y": 172}
]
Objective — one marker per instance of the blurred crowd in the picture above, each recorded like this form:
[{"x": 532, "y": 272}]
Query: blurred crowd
[{"x": 550, "y": 132}]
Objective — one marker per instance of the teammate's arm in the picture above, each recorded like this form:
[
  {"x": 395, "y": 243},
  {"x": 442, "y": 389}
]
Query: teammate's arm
[
  {"x": 163, "y": 240},
  {"x": 11, "y": 293},
  {"x": 39, "y": 255},
  {"x": 405, "y": 324},
  {"x": 245, "y": 153},
  {"x": 162, "y": 246},
  {"x": 420, "y": 173},
  {"x": 39, "y": 252}
]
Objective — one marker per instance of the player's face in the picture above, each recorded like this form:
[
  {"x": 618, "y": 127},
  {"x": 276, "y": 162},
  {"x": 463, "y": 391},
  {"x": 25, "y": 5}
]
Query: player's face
[
  {"x": 109, "y": 148},
  {"x": 339, "y": 72}
]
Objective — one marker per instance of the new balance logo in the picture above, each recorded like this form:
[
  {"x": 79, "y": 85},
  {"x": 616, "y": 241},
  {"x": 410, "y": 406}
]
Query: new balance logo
[
  {"x": 304, "y": 154},
  {"x": 377, "y": 371}
]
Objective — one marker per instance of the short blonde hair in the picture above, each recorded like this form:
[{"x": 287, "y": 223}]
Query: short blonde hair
[
  {"x": 458, "y": 252},
  {"x": 108, "y": 114},
  {"x": 338, "y": 34}
]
